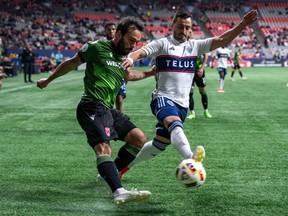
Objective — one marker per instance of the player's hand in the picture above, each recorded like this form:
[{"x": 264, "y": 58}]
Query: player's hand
[
  {"x": 42, "y": 83},
  {"x": 127, "y": 63},
  {"x": 250, "y": 17}
]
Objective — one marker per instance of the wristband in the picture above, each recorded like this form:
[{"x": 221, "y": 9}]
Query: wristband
[{"x": 131, "y": 60}]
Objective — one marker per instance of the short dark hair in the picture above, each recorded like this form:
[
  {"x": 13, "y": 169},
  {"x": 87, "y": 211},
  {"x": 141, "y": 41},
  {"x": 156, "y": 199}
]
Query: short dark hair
[
  {"x": 130, "y": 23},
  {"x": 181, "y": 14},
  {"x": 109, "y": 24}
]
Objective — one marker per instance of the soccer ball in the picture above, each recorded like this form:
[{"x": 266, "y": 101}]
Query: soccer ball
[{"x": 190, "y": 173}]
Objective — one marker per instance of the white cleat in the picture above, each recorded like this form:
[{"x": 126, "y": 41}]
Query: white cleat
[
  {"x": 199, "y": 154},
  {"x": 131, "y": 196}
]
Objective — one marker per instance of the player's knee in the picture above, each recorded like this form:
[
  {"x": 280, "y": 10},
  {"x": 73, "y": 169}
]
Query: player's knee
[
  {"x": 137, "y": 138},
  {"x": 102, "y": 149}
]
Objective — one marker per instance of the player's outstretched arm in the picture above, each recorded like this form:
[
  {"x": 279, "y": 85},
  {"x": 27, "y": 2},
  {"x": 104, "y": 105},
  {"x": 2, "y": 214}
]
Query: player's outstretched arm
[
  {"x": 65, "y": 67},
  {"x": 134, "y": 75},
  {"x": 224, "y": 39}
]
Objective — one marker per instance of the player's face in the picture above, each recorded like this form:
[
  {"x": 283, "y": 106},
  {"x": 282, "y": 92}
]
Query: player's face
[
  {"x": 110, "y": 32},
  {"x": 181, "y": 29},
  {"x": 128, "y": 42}
]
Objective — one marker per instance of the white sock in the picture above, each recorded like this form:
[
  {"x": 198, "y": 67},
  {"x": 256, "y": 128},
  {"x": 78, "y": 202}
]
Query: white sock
[
  {"x": 147, "y": 152},
  {"x": 221, "y": 83},
  {"x": 180, "y": 142}
]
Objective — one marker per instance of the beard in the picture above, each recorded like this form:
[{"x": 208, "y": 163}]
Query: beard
[{"x": 120, "y": 49}]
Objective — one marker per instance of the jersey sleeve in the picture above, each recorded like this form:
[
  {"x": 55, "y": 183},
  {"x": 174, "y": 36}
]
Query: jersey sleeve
[
  {"x": 88, "y": 51},
  {"x": 153, "y": 48},
  {"x": 204, "y": 46}
]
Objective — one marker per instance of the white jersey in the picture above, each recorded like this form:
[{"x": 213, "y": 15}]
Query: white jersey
[
  {"x": 222, "y": 54},
  {"x": 175, "y": 66}
]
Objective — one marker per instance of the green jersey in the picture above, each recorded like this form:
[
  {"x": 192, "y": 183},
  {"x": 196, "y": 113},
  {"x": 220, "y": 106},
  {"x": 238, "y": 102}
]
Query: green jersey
[
  {"x": 199, "y": 62},
  {"x": 236, "y": 57},
  {"x": 103, "y": 74}
]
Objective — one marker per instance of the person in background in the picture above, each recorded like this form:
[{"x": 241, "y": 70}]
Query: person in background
[
  {"x": 59, "y": 57},
  {"x": 222, "y": 55},
  {"x": 200, "y": 80},
  {"x": 7, "y": 66},
  {"x": 110, "y": 30},
  {"x": 236, "y": 65},
  {"x": 28, "y": 62}
]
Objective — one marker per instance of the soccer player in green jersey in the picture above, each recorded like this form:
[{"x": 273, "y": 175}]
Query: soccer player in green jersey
[
  {"x": 95, "y": 114},
  {"x": 236, "y": 66},
  {"x": 200, "y": 80}
]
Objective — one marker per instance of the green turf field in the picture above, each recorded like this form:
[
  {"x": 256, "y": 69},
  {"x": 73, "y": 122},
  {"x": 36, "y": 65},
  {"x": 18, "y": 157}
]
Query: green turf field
[{"x": 47, "y": 168}]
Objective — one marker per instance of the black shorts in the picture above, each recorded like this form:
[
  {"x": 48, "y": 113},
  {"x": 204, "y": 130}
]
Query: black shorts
[
  {"x": 236, "y": 66},
  {"x": 200, "y": 81},
  {"x": 102, "y": 124}
]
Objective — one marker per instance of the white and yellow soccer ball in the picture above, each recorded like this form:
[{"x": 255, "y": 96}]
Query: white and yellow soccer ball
[{"x": 190, "y": 173}]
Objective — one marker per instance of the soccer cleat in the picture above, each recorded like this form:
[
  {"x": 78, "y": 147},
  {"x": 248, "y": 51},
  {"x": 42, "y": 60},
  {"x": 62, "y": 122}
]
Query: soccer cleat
[
  {"x": 199, "y": 154},
  {"x": 191, "y": 115},
  {"x": 123, "y": 171},
  {"x": 220, "y": 90},
  {"x": 244, "y": 78},
  {"x": 131, "y": 196},
  {"x": 102, "y": 181},
  {"x": 207, "y": 114},
  {"x": 232, "y": 79}
]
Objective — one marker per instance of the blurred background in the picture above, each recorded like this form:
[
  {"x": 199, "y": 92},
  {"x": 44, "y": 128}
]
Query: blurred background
[{"x": 54, "y": 26}]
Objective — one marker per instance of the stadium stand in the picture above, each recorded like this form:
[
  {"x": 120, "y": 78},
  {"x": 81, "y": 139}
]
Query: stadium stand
[{"x": 67, "y": 25}]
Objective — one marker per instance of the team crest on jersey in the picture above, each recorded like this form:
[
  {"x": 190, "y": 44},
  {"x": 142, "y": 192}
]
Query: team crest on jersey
[
  {"x": 189, "y": 49},
  {"x": 107, "y": 131},
  {"x": 111, "y": 55},
  {"x": 84, "y": 48}
]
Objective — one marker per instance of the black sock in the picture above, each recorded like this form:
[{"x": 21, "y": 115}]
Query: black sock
[
  {"x": 191, "y": 101},
  {"x": 232, "y": 74},
  {"x": 241, "y": 75},
  {"x": 126, "y": 155},
  {"x": 204, "y": 100},
  {"x": 108, "y": 171}
]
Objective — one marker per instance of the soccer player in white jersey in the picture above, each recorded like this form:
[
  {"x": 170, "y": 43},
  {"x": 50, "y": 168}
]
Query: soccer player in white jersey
[
  {"x": 222, "y": 55},
  {"x": 175, "y": 67}
]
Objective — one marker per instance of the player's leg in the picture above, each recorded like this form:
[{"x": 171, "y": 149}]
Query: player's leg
[
  {"x": 191, "y": 103},
  {"x": 232, "y": 73},
  {"x": 133, "y": 137},
  {"x": 241, "y": 73},
  {"x": 201, "y": 84},
  {"x": 153, "y": 147},
  {"x": 99, "y": 130},
  {"x": 222, "y": 72},
  {"x": 204, "y": 100},
  {"x": 172, "y": 115}
]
